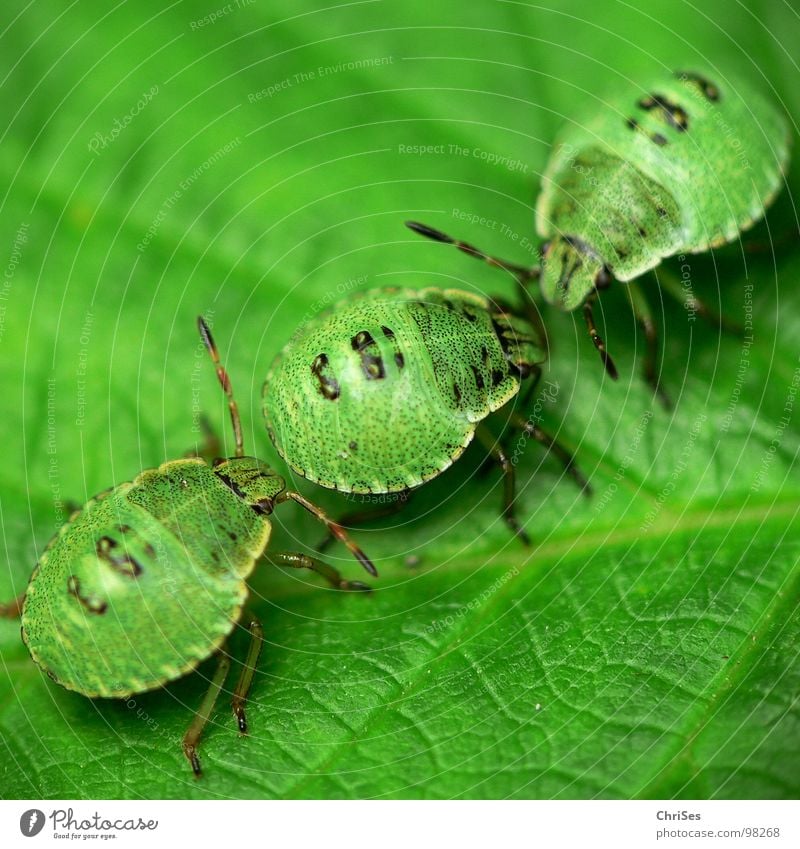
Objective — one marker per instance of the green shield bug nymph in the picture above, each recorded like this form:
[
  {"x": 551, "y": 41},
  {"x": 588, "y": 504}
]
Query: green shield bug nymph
[
  {"x": 679, "y": 164},
  {"x": 149, "y": 579},
  {"x": 384, "y": 391}
]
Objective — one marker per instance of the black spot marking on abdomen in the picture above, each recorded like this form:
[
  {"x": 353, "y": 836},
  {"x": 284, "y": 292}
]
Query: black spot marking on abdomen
[
  {"x": 708, "y": 88},
  {"x": 125, "y": 530},
  {"x": 673, "y": 113},
  {"x": 328, "y": 385},
  {"x": 634, "y": 125},
  {"x": 109, "y": 551},
  {"x": 399, "y": 359},
  {"x": 371, "y": 359},
  {"x": 90, "y": 603}
]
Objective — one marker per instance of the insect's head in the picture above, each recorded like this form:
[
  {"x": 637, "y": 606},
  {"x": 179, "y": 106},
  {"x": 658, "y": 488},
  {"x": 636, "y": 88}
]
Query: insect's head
[
  {"x": 253, "y": 481},
  {"x": 570, "y": 272}
]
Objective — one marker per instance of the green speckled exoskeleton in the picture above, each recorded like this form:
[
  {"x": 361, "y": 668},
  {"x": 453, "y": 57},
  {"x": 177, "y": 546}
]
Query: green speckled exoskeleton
[
  {"x": 384, "y": 391},
  {"x": 148, "y": 579},
  {"x": 676, "y": 165}
]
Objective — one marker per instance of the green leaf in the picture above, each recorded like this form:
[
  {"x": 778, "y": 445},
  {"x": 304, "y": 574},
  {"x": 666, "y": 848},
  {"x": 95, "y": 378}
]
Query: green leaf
[{"x": 258, "y": 168}]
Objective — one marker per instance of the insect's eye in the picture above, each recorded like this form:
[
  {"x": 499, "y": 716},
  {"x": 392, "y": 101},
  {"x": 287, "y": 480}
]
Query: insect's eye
[{"x": 603, "y": 278}]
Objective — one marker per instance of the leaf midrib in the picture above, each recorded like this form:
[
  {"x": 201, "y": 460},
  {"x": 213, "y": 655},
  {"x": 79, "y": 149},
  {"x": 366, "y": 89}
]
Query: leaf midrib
[{"x": 575, "y": 542}]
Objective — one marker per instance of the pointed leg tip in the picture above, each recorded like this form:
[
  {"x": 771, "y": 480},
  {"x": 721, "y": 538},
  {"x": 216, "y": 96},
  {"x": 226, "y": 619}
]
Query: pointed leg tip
[
  {"x": 658, "y": 392},
  {"x": 428, "y": 232},
  {"x": 368, "y": 565},
  {"x": 608, "y": 361},
  {"x": 194, "y": 761},
  {"x": 355, "y": 586},
  {"x": 520, "y": 533}
]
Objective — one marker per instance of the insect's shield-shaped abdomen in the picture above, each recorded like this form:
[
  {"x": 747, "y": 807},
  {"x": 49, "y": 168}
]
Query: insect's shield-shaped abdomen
[
  {"x": 568, "y": 273},
  {"x": 253, "y": 481}
]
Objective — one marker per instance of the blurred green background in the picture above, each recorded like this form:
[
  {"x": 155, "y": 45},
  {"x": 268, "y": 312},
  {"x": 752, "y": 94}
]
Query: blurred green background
[{"x": 250, "y": 161}]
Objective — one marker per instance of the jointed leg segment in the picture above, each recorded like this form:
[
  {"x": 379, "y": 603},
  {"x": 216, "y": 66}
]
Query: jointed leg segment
[
  {"x": 643, "y": 314},
  {"x": 198, "y": 724},
  {"x": 672, "y": 286},
  {"x": 333, "y": 527},
  {"x": 554, "y": 447},
  {"x": 248, "y": 671},
  {"x": 509, "y": 481},
  {"x": 359, "y": 517},
  {"x": 588, "y": 317}
]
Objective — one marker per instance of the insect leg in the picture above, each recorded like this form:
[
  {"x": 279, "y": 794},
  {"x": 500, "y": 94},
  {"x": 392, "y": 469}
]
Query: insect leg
[
  {"x": 246, "y": 678},
  {"x": 12, "y": 609},
  {"x": 770, "y": 244},
  {"x": 193, "y": 733},
  {"x": 359, "y": 517},
  {"x": 333, "y": 527},
  {"x": 588, "y": 316},
  {"x": 558, "y": 450},
  {"x": 521, "y": 272},
  {"x": 509, "y": 481},
  {"x": 643, "y": 314},
  {"x": 302, "y": 561},
  {"x": 534, "y": 378},
  {"x": 672, "y": 286}
]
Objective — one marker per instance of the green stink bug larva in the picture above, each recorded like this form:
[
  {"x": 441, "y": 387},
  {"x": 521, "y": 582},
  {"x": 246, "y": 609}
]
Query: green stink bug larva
[
  {"x": 680, "y": 164},
  {"x": 385, "y": 390},
  {"x": 148, "y": 579}
]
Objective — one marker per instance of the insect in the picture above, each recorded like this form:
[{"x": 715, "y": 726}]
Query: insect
[
  {"x": 385, "y": 391},
  {"x": 149, "y": 578},
  {"x": 679, "y": 165}
]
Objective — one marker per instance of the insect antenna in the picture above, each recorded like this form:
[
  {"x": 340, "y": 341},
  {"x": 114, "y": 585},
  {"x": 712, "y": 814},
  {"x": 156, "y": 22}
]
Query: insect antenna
[
  {"x": 521, "y": 272},
  {"x": 225, "y": 383}
]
